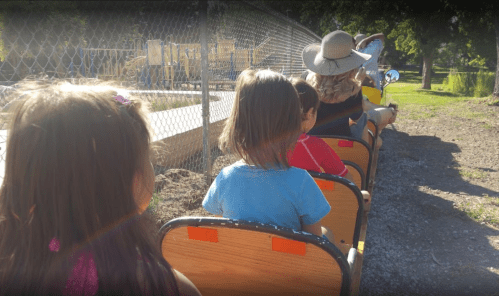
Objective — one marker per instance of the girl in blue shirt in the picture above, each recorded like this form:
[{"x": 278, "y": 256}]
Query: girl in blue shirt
[{"x": 264, "y": 124}]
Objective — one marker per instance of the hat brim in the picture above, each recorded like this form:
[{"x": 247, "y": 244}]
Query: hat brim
[{"x": 315, "y": 62}]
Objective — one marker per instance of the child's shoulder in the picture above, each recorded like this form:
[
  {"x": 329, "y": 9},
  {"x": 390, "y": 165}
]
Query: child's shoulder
[
  {"x": 313, "y": 139},
  {"x": 236, "y": 166},
  {"x": 296, "y": 171}
]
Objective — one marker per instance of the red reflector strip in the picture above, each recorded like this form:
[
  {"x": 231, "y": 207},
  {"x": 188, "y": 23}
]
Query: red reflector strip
[
  {"x": 345, "y": 143},
  {"x": 288, "y": 246},
  {"x": 325, "y": 185},
  {"x": 203, "y": 234}
]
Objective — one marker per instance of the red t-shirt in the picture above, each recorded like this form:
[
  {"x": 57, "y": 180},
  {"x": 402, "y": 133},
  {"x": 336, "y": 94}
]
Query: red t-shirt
[{"x": 312, "y": 154}]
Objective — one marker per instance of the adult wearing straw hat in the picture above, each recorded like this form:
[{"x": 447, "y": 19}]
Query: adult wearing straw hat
[{"x": 337, "y": 76}]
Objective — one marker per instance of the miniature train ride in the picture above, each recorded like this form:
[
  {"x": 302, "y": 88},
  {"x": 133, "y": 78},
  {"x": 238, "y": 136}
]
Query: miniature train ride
[{"x": 234, "y": 257}]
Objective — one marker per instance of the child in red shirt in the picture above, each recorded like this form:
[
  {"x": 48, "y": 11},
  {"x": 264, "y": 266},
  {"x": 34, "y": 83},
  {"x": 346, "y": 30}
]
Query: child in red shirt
[{"x": 312, "y": 153}]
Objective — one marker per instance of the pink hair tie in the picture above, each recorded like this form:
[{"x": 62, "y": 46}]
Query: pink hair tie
[
  {"x": 122, "y": 100},
  {"x": 54, "y": 245}
]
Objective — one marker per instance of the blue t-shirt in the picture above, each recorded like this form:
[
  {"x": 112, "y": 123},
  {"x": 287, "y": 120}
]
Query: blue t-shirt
[
  {"x": 276, "y": 196},
  {"x": 374, "y": 48}
]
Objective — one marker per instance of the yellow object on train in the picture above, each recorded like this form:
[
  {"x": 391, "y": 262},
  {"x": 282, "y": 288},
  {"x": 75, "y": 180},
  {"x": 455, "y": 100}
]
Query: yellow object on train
[{"x": 373, "y": 94}]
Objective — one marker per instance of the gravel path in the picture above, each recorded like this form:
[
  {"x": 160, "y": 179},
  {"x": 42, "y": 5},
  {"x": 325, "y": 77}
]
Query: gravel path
[{"x": 418, "y": 242}]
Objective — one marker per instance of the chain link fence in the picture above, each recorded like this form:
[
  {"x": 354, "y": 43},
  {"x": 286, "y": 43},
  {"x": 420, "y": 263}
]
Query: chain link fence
[{"x": 153, "y": 49}]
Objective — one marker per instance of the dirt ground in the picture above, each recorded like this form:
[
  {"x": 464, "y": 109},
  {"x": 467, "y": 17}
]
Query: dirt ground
[{"x": 434, "y": 175}]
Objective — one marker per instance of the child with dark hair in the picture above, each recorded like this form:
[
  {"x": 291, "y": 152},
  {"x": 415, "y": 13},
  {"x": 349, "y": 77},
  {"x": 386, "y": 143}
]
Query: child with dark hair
[
  {"x": 264, "y": 124},
  {"x": 77, "y": 180},
  {"x": 312, "y": 153}
]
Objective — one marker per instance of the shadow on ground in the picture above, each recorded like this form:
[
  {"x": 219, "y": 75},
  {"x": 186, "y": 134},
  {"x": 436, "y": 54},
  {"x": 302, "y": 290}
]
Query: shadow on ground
[{"x": 417, "y": 242}]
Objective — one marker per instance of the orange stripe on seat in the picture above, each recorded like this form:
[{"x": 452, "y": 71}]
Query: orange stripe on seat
[
  {"x": 288, "y": 246},
  {"x": 325, "y": 185},
  {"x": 203, "y": 234},
  {"x": 345, "y": 143}
]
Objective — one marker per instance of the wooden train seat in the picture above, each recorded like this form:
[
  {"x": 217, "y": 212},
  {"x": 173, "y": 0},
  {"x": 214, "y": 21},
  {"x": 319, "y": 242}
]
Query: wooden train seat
[
  {"x": 351, "y": 149},
  {"x": 373, "y": 132},
  {"x": 373, "y": 127},
  {"x": 347, "y": 207},
  {"x": 358, "y": 175},
  {"x": 234, "y": 257}
]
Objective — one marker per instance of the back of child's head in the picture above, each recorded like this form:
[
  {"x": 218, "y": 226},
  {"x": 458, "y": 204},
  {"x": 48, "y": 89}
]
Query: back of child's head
[
  {"x": 73, "y": 153},
  {"x": 309, "y": 97},
  {"x": 265, "y": 120}
]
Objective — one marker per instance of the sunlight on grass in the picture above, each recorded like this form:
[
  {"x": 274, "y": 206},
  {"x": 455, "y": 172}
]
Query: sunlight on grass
[
  {"x": 473, "y": 174},
  {"x": 485, "y": 211},
  {"x": 422, "y": 103}
]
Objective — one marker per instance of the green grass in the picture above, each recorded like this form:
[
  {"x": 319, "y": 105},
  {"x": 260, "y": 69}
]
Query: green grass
[
  {"x": 422, "y": 103},
  {"x": 486, "y": 211},
  {"x": 473, "y": 174}
]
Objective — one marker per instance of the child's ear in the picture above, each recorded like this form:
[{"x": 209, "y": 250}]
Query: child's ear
[{"x": 309, "y": 114}]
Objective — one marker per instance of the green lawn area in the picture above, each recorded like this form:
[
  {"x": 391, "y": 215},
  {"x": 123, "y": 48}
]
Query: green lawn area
[{"x": 407, "y": 93}]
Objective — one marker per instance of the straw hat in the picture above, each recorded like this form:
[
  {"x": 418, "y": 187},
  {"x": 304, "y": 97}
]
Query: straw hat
[{"x": 334, "y": 56}]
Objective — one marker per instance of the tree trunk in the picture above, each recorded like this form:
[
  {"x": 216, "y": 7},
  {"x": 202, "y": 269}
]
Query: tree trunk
[
  {"x": 495, "y": 95},
  {"x": 427, "y": 63}
]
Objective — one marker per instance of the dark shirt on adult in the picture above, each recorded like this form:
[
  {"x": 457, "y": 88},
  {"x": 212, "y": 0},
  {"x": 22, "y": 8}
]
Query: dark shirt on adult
[{"x": 332, "y": 119}]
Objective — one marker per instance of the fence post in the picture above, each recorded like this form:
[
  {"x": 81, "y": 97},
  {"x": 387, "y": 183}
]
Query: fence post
[
  {"x": 231, "y": 73},
  {"x": 205, "y": 91},
  {"x": 82, "y": 59},
  {"x": 92, "y": 64},
  {"x": 289, "y": 51},
  {"x": 251, "y": 56},
  {"x": 163, "y": 64},
  {"x": 147, "y": 67},
  {"x": 178, "y": 57}
]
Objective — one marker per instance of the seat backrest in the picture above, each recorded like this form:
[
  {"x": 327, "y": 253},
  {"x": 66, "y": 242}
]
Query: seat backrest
[
  {"x": 234, "y": 257},
  {"x": 373, "y": 133},
  {"x": 351, "y": 149},
  {"x": 358, "y": 175},
  {"x": 372, "y": 126},
  {"x": 347, "y": 206}
]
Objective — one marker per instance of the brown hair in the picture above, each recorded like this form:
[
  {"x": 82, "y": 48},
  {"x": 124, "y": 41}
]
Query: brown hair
[
  {"x": 335, "y": 88},
  {"x": 309, "y": 97},
  {"x": 72, "y": 153},
  {"x": 265, "y": 120}
]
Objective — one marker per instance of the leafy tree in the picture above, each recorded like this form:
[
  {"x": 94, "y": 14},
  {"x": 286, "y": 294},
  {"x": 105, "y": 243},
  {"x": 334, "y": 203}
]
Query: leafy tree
[
  {"x": 417, "y": 34},
  {"x": 478, "y": 21}
]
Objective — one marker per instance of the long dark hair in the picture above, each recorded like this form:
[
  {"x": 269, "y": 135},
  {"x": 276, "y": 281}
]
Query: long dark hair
[{"x": 72, "y": 153}]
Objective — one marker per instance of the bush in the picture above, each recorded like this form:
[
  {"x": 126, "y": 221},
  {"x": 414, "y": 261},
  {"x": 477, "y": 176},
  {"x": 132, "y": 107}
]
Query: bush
[
  {"x": 479, "y": 84},
  {"x": 484, "y": 84}
]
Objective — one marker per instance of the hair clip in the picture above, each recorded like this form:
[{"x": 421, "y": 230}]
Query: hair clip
[
  {"x": 54, "y": 245},
  {"x": 122, "y": 100}
]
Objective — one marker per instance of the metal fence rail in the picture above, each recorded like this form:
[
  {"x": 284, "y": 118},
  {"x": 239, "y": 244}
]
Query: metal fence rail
[{"x": 155, "y": 50}]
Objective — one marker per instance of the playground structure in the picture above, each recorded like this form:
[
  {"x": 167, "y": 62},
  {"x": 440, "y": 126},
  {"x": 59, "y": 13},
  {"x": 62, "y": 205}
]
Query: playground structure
[{"x": 160, "y": 65}]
